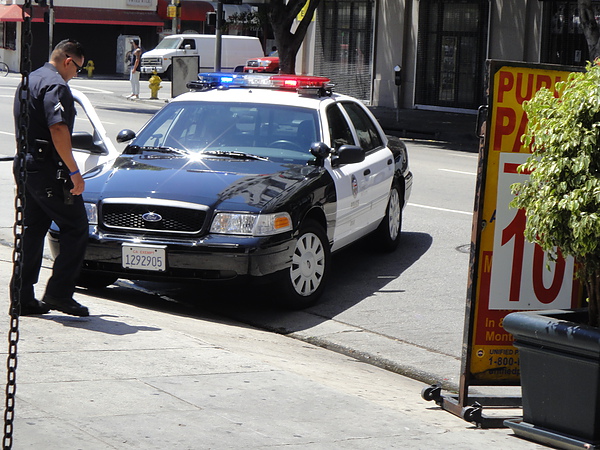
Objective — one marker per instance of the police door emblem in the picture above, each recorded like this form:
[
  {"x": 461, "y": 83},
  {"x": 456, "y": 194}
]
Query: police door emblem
[{"x": 354, "y": 186}]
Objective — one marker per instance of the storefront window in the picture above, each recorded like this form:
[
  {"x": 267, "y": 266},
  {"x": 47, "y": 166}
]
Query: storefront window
[
  {"x": 343, "y": 50},
  {"x": 564, "y": 42},
  {"x": 9, "y": 35},
  {"x": 451, "y": 53}
]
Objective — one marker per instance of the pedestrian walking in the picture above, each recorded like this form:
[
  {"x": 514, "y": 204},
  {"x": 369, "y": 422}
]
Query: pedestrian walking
[
  {"x": 134, "y": 77},
  {"x": 54, "y": 183}
]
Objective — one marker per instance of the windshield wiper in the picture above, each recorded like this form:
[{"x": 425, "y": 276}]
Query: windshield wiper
[
  {"x": 159, "y": 149},
  {"x": 234, "y": 154}
]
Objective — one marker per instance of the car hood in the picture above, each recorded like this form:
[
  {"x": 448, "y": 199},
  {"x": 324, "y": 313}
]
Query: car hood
[{"x": 212, "y": 181}]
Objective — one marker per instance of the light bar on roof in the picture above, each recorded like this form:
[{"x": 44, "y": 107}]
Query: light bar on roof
[{"x": 219, "y": 79}]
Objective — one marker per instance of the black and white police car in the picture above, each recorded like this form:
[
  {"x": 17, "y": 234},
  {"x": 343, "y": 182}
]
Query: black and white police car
[{"x": 257, "y": 176}]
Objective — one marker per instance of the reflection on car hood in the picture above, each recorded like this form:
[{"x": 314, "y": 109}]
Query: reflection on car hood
[{"x": 210, "y": 181}]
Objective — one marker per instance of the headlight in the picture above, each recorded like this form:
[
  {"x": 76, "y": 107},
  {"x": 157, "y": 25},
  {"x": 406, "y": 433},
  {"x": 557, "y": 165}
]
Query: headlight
[
  {"x": 92, "y": 213},
  {"x": 251, "y": 224}
]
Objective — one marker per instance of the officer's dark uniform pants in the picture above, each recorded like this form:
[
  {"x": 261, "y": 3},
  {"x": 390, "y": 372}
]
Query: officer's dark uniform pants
[{"x": 44, "y": 204}]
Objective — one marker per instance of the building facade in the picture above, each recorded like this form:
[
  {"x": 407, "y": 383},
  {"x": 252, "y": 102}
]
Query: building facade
[
  {"x": 440, "y": 46},
  {"x": 396, "y": 53}
]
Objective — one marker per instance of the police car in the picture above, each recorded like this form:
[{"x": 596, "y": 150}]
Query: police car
[{"x": 247, "y": 176}]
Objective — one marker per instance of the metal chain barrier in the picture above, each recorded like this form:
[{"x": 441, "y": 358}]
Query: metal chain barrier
[{"x": 16, "y": 280}]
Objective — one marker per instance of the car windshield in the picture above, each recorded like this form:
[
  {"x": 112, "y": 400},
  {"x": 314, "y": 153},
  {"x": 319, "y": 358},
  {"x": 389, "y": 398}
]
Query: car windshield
[
  {"x": 168, "y": 44},
  {"x": 276, "y": 132}
]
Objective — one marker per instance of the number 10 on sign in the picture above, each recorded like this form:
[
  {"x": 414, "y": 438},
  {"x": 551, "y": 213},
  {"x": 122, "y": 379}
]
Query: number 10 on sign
[{"x": 520, "y": 279}]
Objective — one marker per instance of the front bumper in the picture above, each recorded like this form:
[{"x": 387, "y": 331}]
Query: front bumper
[{"x": 214, "y": 257}]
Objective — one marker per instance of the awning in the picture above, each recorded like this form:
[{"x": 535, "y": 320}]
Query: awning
[
  {"x": 100, "y": 16},
  {"x": 11, "y": 13},
  {"x": 195, "y": 10}
]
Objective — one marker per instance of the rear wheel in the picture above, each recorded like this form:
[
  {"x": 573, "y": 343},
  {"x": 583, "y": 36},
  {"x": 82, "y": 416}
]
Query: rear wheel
[
  {"x": 303, "y": 284},
  {"x": 389, "y": 231}
]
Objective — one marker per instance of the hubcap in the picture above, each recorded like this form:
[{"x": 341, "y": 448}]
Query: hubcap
[
  {"x": 308, "y": 264},
  {"x": 394, "y": 214}
]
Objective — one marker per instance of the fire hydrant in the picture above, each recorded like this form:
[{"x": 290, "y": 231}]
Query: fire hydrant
[
  {"x": 154, "y": 84},
  {"x": 90, "y": 68}
]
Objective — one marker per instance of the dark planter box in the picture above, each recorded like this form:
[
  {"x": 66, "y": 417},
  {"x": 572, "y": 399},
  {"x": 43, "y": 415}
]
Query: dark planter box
[{"x": 560, "y": 371}]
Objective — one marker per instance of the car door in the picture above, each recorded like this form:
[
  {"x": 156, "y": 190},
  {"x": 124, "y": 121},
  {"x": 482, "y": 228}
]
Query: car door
[
  {"x": 90, "y": 142},
  {"x": 357, "y": 185}
]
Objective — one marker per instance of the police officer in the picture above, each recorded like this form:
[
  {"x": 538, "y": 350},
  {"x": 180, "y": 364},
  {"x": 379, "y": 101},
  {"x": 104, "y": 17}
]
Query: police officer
[{"x": 54, "y": 184}]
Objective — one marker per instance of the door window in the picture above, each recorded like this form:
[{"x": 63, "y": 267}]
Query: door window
[{"x": 368, "y": 136}]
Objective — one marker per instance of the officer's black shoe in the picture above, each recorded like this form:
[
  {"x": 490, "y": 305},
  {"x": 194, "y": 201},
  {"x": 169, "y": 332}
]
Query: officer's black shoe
[
  {"x": 33, "y": 307},
  {"x": 67, "y": 306}
]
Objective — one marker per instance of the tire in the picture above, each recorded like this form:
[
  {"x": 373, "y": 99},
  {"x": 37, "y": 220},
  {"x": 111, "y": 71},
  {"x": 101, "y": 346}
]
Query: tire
[
  {"x": 3, "y": 69},
  {"x": 305, "y": 281},
  {"x": 94, "y": 280},
  {"x": 389, "y": 231}
]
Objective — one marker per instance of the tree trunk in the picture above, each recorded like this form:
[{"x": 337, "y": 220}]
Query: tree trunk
[{"x": 283, "y": 16}]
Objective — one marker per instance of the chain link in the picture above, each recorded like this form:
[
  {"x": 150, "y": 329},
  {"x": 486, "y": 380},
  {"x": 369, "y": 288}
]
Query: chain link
[{"x": 16, "y": 280}]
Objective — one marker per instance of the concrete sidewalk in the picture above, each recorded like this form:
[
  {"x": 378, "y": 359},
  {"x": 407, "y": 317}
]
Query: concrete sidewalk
[{"x": 160, "y": 376}]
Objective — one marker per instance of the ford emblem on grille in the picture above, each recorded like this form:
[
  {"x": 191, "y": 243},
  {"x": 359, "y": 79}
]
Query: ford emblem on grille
[{"x": 152, "y": 217}]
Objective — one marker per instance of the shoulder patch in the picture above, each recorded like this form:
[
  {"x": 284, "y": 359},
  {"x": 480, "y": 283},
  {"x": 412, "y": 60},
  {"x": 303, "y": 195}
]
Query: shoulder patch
[{"x": 59, "y": 106}]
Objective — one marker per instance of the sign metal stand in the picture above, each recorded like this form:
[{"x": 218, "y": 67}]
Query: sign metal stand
[{"x": 506, "y": 273}]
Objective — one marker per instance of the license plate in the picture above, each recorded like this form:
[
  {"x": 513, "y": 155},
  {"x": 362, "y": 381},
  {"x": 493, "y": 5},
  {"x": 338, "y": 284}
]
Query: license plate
[{"x": 143, "y": 257}]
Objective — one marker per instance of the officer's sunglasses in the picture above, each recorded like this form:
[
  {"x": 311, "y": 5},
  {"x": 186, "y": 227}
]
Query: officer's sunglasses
[{"x": 79, "y": 68}]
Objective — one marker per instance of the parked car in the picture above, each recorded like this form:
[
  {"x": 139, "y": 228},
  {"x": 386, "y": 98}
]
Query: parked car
[
  {"x": 264, "y": 64},
  {"x": 251, "y": 177}
]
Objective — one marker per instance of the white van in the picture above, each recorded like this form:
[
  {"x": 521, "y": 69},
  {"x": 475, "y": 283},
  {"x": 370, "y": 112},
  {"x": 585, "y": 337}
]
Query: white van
[{"x": 235, "y": 51}]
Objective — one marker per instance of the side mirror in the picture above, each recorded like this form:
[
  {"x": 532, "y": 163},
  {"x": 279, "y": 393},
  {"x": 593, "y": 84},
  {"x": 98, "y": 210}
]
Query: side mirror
[
  {"x": 125, "y": 136},
  {"x": 348, "y": 154},
  {"x": 82, "y": 140}
]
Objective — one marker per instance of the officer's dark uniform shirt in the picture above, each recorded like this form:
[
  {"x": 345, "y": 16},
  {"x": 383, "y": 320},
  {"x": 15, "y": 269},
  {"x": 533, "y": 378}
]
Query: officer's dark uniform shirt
[{"x": 51, "y": 102}]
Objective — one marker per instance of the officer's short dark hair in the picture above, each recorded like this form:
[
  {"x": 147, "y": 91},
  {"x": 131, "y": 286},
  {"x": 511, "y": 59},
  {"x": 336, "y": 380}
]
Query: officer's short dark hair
[
  {"x": 69, "y": 47},
  {"x": 136, "y": 41}
]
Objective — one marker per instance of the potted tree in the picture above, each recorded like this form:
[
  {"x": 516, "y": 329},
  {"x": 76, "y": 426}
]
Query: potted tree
[{"x": 560, "y": 350}]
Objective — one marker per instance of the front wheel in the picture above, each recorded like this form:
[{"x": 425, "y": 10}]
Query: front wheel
[
  {"x": 3, "y": 69},
  {"x": 304, "y": 282},
  {"x": 389, "y": 231}
]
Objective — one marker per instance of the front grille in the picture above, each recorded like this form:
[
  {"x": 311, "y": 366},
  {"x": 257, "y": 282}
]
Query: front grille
[
  {"x": 163, "y": 218},
  {"x": 151, "y": 61}
]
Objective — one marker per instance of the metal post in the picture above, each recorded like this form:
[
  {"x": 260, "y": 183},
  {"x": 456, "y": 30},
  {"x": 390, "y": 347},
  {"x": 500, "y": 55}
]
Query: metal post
[
  {"x": 175, "y": 18},
  {"x": 218, "y": 34},
  {"x": 50, "y": 29}
]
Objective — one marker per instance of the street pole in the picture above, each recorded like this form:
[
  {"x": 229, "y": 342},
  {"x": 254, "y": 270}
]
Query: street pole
[
  {"x": 175, "y": 17},
  {"x": 50, "y": 28},
  {"x": 218, "y": 34}
]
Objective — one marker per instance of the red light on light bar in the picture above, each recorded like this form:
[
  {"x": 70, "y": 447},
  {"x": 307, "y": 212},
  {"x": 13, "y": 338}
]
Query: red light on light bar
[{"x": 299, "y": 81}]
